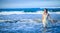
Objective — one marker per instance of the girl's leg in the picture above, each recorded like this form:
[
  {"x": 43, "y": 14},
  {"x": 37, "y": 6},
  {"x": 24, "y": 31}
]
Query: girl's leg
[{"x": 44, "y": 24}]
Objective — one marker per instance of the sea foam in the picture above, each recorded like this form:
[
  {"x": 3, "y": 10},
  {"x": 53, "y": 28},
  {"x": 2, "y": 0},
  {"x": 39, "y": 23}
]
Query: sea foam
[{"x": 21, "y": 12}]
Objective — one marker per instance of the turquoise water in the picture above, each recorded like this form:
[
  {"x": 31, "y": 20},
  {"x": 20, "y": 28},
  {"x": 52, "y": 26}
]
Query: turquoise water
[
  {"x": 16, "y": 26},
  {"x": 29, "y": 9}
]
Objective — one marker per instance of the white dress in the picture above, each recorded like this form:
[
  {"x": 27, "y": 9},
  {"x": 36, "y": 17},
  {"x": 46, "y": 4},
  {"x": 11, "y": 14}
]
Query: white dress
[{"x": 45, "y": 20}]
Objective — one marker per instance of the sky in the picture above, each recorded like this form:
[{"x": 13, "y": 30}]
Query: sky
[{"x": 29, "y": 3}]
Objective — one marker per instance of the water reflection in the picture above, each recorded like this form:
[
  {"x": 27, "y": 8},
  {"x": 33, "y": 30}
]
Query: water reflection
[{"x": 44, "y": 30}]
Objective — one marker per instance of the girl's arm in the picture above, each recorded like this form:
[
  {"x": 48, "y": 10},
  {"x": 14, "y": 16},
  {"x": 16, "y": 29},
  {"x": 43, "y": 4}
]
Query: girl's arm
[
  {"x": 50, "y": 18},
  {"x": 42, "y": 17}
]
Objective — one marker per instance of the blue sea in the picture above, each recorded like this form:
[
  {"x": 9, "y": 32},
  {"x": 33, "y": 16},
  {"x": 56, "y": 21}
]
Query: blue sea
[{"x": 28, "y": 20}]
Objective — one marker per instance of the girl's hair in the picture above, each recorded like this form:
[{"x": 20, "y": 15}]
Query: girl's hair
[{"x": 46, "y": 10}]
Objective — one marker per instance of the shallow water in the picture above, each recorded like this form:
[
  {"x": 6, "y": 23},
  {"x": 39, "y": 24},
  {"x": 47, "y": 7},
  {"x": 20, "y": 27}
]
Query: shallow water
[{"x": 28, "y": 27}]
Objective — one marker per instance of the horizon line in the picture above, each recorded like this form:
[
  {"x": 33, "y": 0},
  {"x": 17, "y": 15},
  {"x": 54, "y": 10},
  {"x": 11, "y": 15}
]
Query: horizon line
[{"x": 37, "y": 7}]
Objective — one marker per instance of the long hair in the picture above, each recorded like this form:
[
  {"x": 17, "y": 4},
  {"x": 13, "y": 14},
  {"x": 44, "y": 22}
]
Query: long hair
[{"x": 46, "y": 10}]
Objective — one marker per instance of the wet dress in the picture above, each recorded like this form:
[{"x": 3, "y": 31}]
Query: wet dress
[{"x": 45, "y": 18}]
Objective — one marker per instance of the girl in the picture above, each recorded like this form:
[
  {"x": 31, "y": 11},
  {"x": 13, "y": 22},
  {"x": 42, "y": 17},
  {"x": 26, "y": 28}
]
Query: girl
[{"x": 45, "y": 17}]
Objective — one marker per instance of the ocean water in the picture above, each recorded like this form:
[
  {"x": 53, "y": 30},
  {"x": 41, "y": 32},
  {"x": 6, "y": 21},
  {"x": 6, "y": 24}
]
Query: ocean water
[
  {"x": 30, "y": 22},
  {"x": 29, "y": 9}
]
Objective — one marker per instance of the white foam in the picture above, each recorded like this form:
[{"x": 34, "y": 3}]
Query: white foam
[
  {"x": 23, "y": 20},
  {"x": 54, "y": 12},
  {"x": 21, "y": 12}
]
